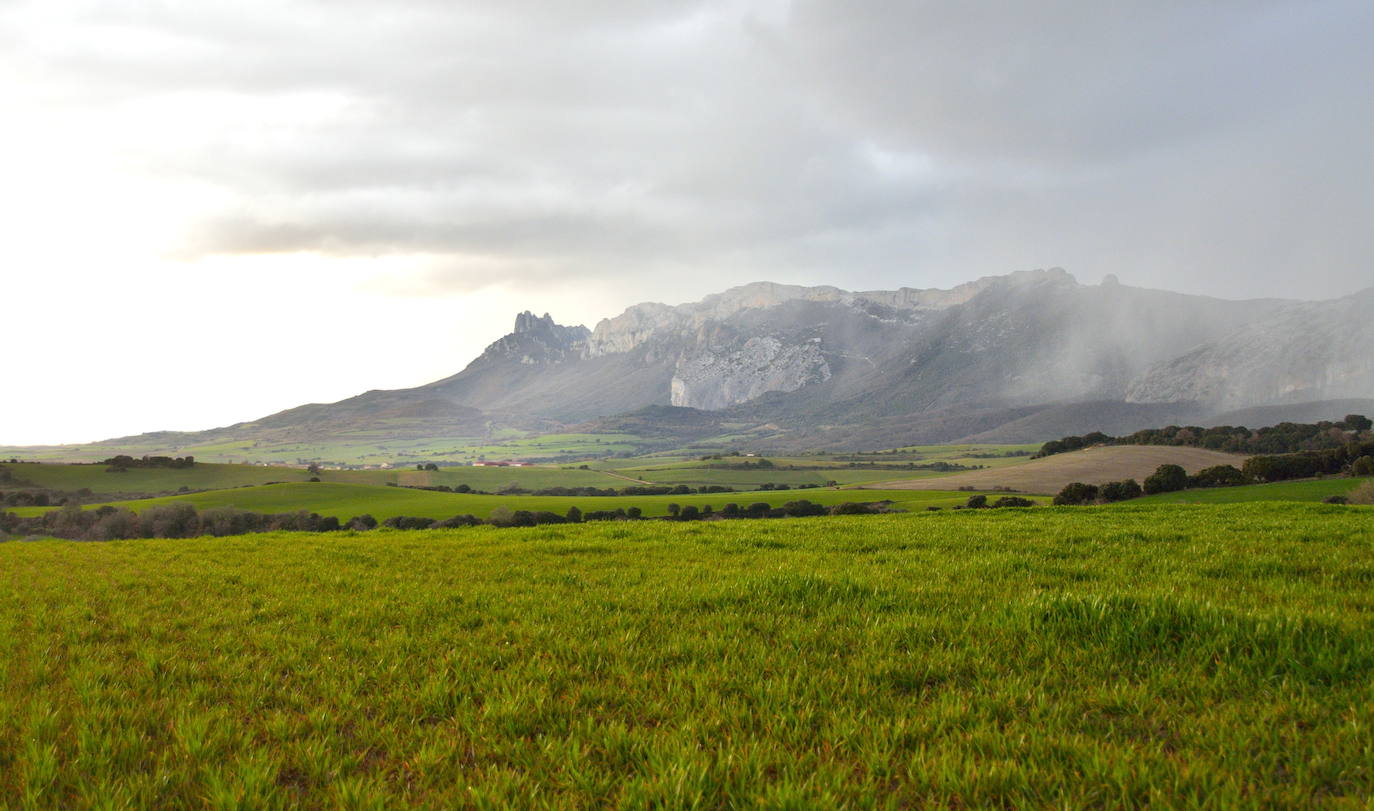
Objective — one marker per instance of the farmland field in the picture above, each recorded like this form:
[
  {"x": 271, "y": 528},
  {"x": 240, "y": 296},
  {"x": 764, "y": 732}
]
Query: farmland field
[
  {"x": 1180, "y": 655},
  {"x": 1091, "y": 465},
  {"x": 344, "y": 501},
  {"x": 1312, "y": 490},
  {"x": 207, "y": 476}
]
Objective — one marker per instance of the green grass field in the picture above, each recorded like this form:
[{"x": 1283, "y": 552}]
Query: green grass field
[
  {"x": 817, "y": 468},
  {"x": 1178, "y": 656},
  {"x": 209, "y": 476},
  {"x": 347, "y": 500},
  {"x": 1314, "y": 490},
  {"x": 697, "y": 476}
]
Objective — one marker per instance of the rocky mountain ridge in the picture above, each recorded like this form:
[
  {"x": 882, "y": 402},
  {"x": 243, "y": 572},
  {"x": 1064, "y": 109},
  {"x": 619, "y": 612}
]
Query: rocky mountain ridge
[{"x": 1021, "y": 357}]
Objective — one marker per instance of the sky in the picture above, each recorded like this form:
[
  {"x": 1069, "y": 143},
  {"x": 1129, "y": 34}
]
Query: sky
[{"x": 214, "y": 210}]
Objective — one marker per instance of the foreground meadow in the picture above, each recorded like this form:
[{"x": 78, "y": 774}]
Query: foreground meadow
[{"x": 1209, "y": 656}]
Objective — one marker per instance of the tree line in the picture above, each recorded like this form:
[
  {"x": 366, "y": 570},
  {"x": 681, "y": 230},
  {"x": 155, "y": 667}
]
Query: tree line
[
  {"x": 1286, "y": 437},
  {"x": 181, "y": 520},
  {"x": 121, "y": 463}
]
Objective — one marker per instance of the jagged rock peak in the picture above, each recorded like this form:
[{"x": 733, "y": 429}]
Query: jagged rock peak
[{"x": 529, "y": 322}]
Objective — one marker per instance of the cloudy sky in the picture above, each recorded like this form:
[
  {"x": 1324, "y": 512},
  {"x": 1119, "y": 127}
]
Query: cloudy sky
[{"x": 213, "y": 210}]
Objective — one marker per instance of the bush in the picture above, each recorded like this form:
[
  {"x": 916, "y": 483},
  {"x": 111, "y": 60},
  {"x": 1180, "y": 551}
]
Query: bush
[
  {"x": 1076, "y": 493},
  {"x": 1336, "y": 500},
  {"x": 458, "y": 521},
  {"x": 114, "y": 525},
  {"x": 1364, "y": 466},
  {"x": 976, "y": 502},
  {"x": 1120, "y": 491},
  {"x": 802, "y": 508},
  {"x": 1166, "y": 479},
  {"x": 362, "y": 522},
  {"x": 409, "y": 522},
  {"x": 1217, "y": 476},
  {"x": 177, "y": 520},
  {"x": 1013, "y": 501}
]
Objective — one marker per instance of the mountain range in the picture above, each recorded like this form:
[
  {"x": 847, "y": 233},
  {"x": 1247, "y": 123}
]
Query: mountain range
[{"x": 1023, "y": 357}]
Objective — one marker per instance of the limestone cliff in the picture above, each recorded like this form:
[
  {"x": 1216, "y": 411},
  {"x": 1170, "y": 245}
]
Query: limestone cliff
[{"x": 713, "y": 378}]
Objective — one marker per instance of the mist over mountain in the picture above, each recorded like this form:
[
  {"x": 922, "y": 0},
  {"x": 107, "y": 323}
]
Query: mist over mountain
[{"x": 1023, "y": 357}]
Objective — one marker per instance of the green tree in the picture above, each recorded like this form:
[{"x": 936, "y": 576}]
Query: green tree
[
  {"x": 1357, "y": 422},
  {"x": 1166, "y": 479},
  {"x": 1076, "y": 493}
]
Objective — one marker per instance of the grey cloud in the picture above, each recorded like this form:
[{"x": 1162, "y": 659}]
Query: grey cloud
[{"x": 1216, "y": 147}]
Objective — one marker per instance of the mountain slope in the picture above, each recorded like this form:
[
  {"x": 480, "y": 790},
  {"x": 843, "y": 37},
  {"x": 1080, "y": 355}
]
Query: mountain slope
[{"x": 1301, "y": 352}]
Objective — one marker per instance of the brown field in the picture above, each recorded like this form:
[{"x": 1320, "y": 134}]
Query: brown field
[{"x": 1092, "y": 465}]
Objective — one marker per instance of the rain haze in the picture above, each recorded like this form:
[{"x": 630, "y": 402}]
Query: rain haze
[{"x": 215, "y": 210}]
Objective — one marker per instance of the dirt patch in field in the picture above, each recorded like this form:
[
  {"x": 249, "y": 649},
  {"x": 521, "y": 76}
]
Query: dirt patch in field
[{"x": 1092, "y": 465}]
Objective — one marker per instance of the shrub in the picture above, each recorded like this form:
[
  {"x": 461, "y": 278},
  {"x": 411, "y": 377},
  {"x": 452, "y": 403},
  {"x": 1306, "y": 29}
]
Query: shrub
[
  {"x": 976, "y": 502},
  {"x": 1166, "y": 479},
  {"x": 1364, "y": 466},
  {"x": 1120, "y": 491},
  {"x": 223, "y": 521},
  {"x": 458, "y": 521},
  {"x": 114, "y": 525},
  {"x": 1076, "y": 493},
  {"x": 362, "y": 522},
  {"x": 802, "y": 508},
  {"x": 177, "y": 520},
  {"x": 1217, "y": 476},
  {"x": 1013, "y": 501},
  {"x": 1336, "y": 500}
]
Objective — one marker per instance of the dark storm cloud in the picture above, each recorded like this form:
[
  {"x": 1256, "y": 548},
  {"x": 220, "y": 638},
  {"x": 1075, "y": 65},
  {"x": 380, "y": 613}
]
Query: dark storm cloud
[{"x": 1218, "y": 147}]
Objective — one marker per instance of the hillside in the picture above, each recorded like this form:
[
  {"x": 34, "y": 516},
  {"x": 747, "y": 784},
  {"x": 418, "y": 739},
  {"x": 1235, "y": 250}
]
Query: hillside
[
  {"x": 1090, "y": 465},
  {"x": 1299, "y": 352}
]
